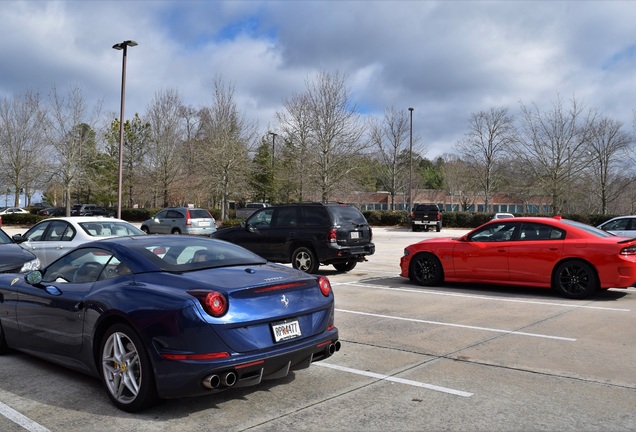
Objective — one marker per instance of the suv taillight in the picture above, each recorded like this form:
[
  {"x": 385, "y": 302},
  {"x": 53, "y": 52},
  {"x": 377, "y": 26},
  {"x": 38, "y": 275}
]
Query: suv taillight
[
  {"x": 188, "y": 222},
  {"x": 331, "y": 236}
]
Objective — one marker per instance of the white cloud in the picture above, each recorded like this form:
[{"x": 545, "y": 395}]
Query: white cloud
[{"x": 445, "y": 59}]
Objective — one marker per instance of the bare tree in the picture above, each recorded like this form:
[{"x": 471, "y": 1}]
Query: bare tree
[
  {"x": 609, "y": 149},
  {"x": 490, "y": 134},
  {"x": 226, "y": 142},
  {"x": 337, "y": 130},
  {"x": 66, "y": 134},
  {"x": 22, "y": 149},
  {"x": 458, "y": 183},
  {"x": 167, "y": 135},
  {"x": 295, "y": 126},
  {"x": 552, "y": 149},
  {"x": 391, "y": 137}
]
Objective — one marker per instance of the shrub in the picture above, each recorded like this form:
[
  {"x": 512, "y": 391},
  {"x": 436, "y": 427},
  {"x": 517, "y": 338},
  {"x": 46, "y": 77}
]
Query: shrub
[{"x": 20, "y": 219}]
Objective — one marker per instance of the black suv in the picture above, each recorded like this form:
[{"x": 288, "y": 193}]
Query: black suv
[
  {"x": 90, "y": 210},
  {"x": 305, "y": 235}
]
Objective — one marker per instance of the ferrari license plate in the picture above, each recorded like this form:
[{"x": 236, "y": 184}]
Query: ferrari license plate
[{"x": 286, "y": 330}]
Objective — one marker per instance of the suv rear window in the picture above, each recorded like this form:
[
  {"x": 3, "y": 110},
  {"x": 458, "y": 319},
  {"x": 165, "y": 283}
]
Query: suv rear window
[
  {"x": 199, "y": 214},
  {"x": 427, "y": 208},
  {"x": 347, "y": 214}
]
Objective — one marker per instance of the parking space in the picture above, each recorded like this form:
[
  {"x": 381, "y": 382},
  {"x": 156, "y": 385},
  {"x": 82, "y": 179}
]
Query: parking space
[{"x": 455, "y": 357}]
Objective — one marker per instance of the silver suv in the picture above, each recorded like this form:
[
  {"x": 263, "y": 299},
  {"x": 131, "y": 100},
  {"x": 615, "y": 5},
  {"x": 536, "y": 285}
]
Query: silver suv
[{"x": 180, "y": 220}]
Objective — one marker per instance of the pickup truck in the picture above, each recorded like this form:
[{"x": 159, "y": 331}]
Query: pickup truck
[
  {"x": 426, "y": 215},
  {"x": 250, "y": 208}
]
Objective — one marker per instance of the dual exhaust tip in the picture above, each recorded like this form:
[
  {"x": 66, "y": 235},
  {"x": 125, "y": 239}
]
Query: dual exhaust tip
[
  {"x": 334, "y": 347},
  {"x": 228, "y": 379},
  {"x": 224, "y": 380}
]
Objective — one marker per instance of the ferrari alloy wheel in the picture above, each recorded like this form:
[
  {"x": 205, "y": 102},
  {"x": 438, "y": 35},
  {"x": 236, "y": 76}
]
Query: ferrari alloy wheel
[
  {"x": 575, "y": 279},
  {"x": 426, "y": 269},
  {"x": 346, "y": 266},
  {"x": 126, "y": 369},
  {"x": 305, "y": 259}
]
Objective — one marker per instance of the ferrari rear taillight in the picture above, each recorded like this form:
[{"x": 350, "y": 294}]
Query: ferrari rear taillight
[
  {"x": 213, "y": 302},
  {"x": 331, "y": 236},
  {"x": 324, "y": 285},
  {"x": 630, "y": 250}
]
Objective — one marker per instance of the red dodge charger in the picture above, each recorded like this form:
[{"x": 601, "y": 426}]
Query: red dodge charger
[{"x": 573, "y": 258}]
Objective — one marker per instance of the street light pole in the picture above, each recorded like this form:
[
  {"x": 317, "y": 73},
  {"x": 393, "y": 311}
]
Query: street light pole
[
  {"x": 274, "y": 135},
  {"x": 122, "y": 46},
  {"x": 411, "y": 164}
]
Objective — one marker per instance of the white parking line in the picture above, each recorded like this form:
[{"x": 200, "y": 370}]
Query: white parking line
[
  {"x": 423, "y": 291},
  {"x": 394, "y": 379},
  {"x": 459, "y": 325},
  {"x": 20, "y": 419}
]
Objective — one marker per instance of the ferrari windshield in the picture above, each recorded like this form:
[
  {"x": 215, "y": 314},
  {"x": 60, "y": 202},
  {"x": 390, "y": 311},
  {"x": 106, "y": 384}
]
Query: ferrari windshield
[{"x": 179, "y": 253}]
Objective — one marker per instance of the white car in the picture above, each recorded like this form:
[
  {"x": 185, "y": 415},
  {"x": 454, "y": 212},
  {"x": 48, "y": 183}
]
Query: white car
[
  {"x": 13, "y": 210},
  {"x": 53, "y": 237},
  {"x": 624, "y": 226},
  {"x": 502, "y": 216}
]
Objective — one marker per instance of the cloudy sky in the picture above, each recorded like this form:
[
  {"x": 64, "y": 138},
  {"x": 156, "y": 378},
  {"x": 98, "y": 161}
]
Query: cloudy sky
[{"x": 446, "y": 59}]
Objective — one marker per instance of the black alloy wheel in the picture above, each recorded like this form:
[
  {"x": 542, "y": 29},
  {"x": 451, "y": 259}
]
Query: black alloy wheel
[
  {"x": 426, "y": 270},
  {"x": 575, "y": 279}
]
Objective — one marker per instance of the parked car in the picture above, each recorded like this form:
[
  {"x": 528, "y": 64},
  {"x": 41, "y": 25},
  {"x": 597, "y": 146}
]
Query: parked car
[
  {"x": 13, "y": 210},
  {"x": 306, "y": 235},
  {"x": 622, "y": 226},
  {"x": 180, "y": 220},
  {"x": 502, "y": 216},
  {"x": 169, "y": 316},
  {"x": 573, "y": 258},
  {"x": 90, "y": 210},
  {"x": 245, "y": 212},
  {"x": 426, "y": 216},
  {"x": 53, "y": 211},
  {"x": 14, "y": 259},
  {"x": 53, "y": 237}
]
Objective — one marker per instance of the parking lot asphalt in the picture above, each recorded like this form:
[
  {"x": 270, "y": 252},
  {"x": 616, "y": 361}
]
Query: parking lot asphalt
[{"x": 458, "y": 357}]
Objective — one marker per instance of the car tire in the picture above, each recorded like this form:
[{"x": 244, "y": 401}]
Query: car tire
[
  {"x": 145, "y": 229},
  {"x": 439, "y": 227},
  {"x": 415, "y": 228},
  {"x": 426, "y": 269},
  {"x": 305, "y": 259},
  {"x": 575, "y": 279},
  {"x": 126, "y": 370},
  {"x": 176, "y": 231},
  {"x": 4, "y": 348},
  {"x": 345, "y": 266}
]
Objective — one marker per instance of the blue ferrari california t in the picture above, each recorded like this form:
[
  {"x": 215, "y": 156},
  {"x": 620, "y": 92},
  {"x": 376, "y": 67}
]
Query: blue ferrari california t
[{"x": 168, "y": 316}]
